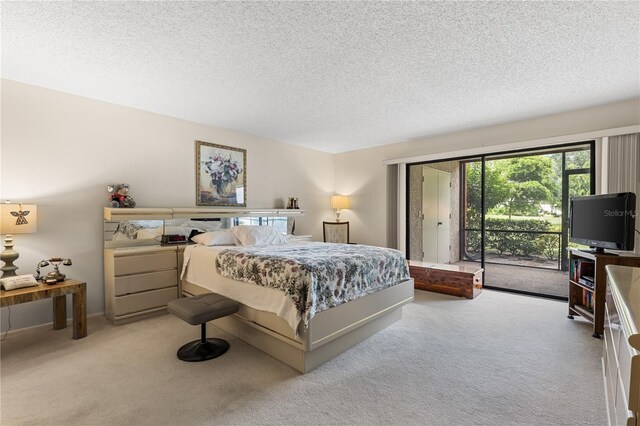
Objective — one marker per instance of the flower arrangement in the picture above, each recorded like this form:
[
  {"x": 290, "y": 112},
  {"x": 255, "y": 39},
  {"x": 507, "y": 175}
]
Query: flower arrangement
[{"x": 223, "y": 170}]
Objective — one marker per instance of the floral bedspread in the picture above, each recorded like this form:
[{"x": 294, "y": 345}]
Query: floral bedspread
[{"x": 316, "y": 276}]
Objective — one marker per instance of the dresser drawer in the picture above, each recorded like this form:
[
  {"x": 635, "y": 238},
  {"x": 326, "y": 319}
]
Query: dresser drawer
[
  {"x": 624, "y": 366},
  {"x": 623, "y": 415},
  {"x": 612, "y": 345},
  {"x": 145, "y": 300},
  {"x": 126, "y": 265},
  {"x": 611, "y": 315},
  {"x": 144, "y": 282},
  {"x": 611, "y": 369},
  {"x": 611, "y": 401},
  {"x": 634, "y": 385}
]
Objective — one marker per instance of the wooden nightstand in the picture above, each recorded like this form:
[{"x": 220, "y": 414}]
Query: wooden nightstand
[{"x": 59, "y": 293}]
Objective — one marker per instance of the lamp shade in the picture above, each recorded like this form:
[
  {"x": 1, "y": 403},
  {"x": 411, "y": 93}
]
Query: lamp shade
[
  {"x": 18, "y": 218},
  {"x": 339, "y": 202}
]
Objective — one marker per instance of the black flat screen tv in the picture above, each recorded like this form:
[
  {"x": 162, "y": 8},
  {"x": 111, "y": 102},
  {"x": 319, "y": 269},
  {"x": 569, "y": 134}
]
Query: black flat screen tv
[{"x": 604, "y": 221}]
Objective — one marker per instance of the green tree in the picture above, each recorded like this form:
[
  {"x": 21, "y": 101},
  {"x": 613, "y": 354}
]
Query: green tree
[
  {"x": 579, "y": 185},
  {"x": 516, "y": 185},
  {"x": 530, "y": 181},
  {"x": 496, "y": 187},
  {"x": 578, "y": 159},
  {"x": 525, "y": 197}
]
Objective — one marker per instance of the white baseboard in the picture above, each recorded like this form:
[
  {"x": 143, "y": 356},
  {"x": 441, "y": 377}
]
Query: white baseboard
[{"x": 48, "y": 325}]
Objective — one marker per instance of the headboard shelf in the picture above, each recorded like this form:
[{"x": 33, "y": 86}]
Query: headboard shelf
[
  {"x": 237, "y": 212},
  {"x": 116, "y": 214},
  {"x": 139, "y": 226}
]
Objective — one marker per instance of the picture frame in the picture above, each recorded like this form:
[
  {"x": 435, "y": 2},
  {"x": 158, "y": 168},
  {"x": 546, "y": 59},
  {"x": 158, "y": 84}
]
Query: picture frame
[{"x": 221, "y": 175}]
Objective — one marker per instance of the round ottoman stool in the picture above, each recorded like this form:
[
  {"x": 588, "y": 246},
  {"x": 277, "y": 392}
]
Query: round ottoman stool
[{"x": 198, "y": 310}]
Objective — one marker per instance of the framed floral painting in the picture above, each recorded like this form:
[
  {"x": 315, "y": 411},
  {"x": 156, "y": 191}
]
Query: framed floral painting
[{"x": 221, "y": 175}]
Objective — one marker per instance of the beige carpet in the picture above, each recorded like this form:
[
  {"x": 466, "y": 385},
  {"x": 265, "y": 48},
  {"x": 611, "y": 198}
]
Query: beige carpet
[
  {"x": 501, "y": 359},
  {"x": 534, "y": 280}
]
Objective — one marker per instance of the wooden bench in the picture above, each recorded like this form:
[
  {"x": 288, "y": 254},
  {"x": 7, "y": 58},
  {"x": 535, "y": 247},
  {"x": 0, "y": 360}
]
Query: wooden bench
[{"x": 462, "y": 281}]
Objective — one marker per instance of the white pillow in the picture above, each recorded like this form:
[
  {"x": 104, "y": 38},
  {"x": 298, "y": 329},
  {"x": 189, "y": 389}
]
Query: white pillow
[
  {"x": 215, "y": 238},
  {"x": 203, "y": 225},
  {"x": 252, "y": 235}
]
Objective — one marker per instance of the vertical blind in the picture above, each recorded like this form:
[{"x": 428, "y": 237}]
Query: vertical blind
[{"x": 624, "y": 169}]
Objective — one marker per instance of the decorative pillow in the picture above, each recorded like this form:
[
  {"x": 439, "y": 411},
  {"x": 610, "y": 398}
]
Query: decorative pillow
[
  {"x": 252, "y": 235},
  {"x": 18, "y": 281},
  {"x": 203, "y": 225},
  {"x": 215, "y": 238}
]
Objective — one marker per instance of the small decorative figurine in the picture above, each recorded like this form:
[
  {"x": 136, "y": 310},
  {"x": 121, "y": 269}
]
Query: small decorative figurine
[
  {"x": 119, "y": 196},
  {"x": 292, "y": 203}
]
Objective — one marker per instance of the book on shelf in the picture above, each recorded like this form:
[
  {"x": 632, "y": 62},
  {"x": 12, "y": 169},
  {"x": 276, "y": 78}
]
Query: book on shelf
[
  {"x": 573, "y": 269},
  {"x": 587, "y": 299},
  {"x": 581, "y": 269},
  {"x": 585, "y": 282}
]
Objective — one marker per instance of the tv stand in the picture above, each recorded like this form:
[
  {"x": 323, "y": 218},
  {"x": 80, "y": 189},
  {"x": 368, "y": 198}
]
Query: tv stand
[
  {"x": 598, "y": 250},
  {"x": 593, "y": 310}
]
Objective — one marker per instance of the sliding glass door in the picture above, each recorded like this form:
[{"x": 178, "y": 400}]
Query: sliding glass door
[{"x": 507, "y": 213}]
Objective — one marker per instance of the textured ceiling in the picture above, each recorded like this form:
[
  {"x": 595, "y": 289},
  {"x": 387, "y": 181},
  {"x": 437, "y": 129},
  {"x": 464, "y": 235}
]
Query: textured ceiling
[{"x": 333, "y": 76}]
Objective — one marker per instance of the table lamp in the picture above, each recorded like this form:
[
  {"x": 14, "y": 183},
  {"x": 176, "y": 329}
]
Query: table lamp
[
  {"x": 15, "y": 219},
  {"x": 339, "y": 202}
]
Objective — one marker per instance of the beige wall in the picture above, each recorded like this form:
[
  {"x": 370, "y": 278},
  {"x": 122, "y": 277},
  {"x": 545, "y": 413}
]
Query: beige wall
[
  {"x": 362, "y": 174},
  {"x": 60, "y": 151}
]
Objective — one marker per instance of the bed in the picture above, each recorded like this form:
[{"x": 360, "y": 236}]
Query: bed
[{"x": 278, "y": 323}]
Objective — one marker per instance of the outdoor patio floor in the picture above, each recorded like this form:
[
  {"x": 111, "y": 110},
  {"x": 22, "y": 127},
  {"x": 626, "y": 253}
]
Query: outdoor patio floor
[{"x": 535, "y": 280}]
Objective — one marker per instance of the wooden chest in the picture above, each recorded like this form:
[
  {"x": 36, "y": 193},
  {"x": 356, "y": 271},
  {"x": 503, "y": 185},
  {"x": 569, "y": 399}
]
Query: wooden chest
[{"x": 463, "y": 281}]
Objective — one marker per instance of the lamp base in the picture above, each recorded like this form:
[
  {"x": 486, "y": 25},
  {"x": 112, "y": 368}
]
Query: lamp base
[{"x": 8, "y": 256}]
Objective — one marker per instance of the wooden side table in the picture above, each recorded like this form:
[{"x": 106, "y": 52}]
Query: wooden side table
[{"x": 58, "y": 292}]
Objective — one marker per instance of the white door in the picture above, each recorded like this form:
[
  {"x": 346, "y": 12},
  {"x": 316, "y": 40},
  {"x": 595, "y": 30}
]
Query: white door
[
  {"x": 444, "y": 213},
  {"x": 436, "y": 197}
]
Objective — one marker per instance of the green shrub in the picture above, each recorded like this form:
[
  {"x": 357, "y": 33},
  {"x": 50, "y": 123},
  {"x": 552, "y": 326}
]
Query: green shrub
[
  {"x": 548, "y": 246},
  {"x": 473, "y": 242},
  {"x": 516, "y": 243}
]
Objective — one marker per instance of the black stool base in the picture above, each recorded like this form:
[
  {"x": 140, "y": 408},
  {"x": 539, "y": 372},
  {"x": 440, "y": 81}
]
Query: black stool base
[{"x": 198, "y": 350}]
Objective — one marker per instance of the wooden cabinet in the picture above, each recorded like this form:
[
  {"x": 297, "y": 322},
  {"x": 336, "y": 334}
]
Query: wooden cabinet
[
  {"x": 621, "y": 353},
  {"x": 585, "y": 300},
  {"x": 140, "y": 281},
  {"x": 454, "y": 280}
]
